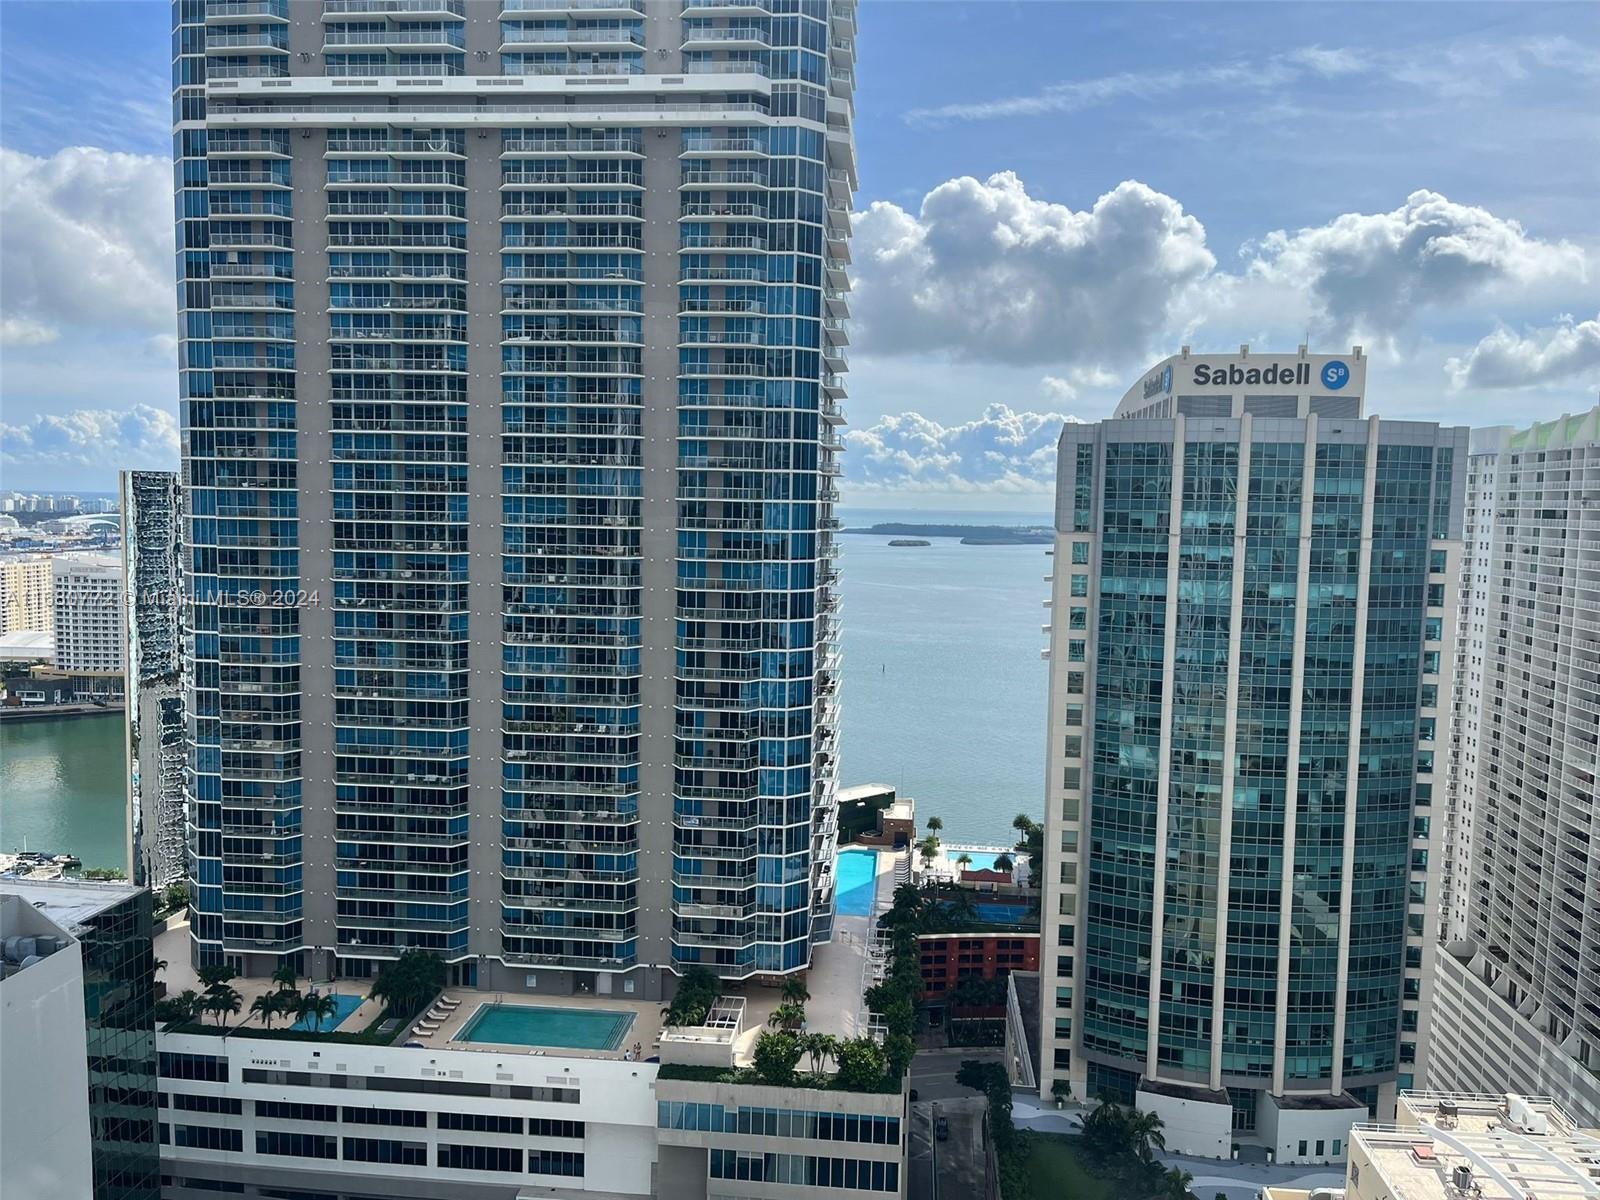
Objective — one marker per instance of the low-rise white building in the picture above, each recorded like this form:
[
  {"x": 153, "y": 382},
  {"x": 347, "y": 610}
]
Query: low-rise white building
[{"x": 499, "y": 1096}]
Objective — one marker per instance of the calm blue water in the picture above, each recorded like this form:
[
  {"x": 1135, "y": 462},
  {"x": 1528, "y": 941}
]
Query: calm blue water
[
  {"x": 944, "y": 691},
  {"x": 857, "y": 882},
  {"x": 344, "y": 1005},
  {"x": 531, "y": 1025}
]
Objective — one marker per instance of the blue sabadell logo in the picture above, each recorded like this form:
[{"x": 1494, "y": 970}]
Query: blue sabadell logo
[
  {"x": 1335, "y": 375},
  {"x": 1166, "y": 378}
]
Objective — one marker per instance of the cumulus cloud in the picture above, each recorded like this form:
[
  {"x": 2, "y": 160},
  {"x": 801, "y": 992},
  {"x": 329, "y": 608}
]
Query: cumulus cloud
[
  {"x": 85, "y": 238},
  {"x": 92, "y": 440},
  {"x": 1367, "y": 274},
  {"x": 1001, "y": 451},
  {"x": 1505, "y": 359},
  {"x": 986, "y": 271}
]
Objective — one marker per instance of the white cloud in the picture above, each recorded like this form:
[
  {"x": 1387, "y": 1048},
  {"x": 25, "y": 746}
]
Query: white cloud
[
  {"x": 94, "y": 440},
  {"x": 1506, "y": 360},
  {"x": 1368, "y": 274},
  {"x": 985, "y": 271},
  {"x": 21, "y": 331},
  {"x": 1001, "y": 451},
  {"x": 85, "y": 239},
  {"x": 1459, "y": 68}
]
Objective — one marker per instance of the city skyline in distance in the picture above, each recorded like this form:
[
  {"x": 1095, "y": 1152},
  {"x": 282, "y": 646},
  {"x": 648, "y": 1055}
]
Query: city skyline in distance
[{"x": 1224, "y": 174}]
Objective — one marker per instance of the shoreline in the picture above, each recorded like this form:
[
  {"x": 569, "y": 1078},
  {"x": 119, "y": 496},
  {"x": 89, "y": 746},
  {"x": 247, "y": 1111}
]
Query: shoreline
[{"x": 44, "y": 712}]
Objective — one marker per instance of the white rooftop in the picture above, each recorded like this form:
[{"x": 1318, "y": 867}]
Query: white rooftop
[
  {"x": 68, "y": 902},
  {"x": 1466, "y": 1146}
]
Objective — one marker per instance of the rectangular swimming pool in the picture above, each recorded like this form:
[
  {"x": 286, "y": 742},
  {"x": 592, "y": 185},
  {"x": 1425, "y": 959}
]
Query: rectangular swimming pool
[
  {"x": 539, "y": 1025},
  {"x": 857, "y": 883},
  {"x": 343, "y": 1006}
]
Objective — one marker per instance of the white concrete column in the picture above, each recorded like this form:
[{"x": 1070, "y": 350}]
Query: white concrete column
[
  {"x": 1291, "y": 783},
  {"x": 1169, "y": 649},
  {"x": 1353, "y": 758},
  {"x": 1219, "y": 974}
]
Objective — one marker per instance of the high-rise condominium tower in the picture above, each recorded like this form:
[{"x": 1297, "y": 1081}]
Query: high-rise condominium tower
[
  {"x": 1519, "y": 985},
  {"x": 512, "y": 340},
  {"x": 1253, "y": 599}
]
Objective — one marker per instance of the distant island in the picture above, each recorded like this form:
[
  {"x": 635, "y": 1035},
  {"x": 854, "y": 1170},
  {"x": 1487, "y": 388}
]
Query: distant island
[
  {"x": 970, "y": 535},
  {"x": 909, "y": 542}
]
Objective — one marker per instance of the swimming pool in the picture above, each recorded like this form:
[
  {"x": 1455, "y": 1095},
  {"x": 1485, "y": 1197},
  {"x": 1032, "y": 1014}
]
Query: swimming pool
[
  {"x": 857, "y": 884},
  {"x": 981, "y": 860},
  {"x": 537, "y": 1025},
  {"x": 1000, "y": 913},
  {"x": 343, "y": 1005}
]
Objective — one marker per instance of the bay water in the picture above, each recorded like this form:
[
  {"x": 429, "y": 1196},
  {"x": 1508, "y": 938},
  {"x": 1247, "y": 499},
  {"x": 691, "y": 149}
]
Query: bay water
[{"x": 943, "y": 697}]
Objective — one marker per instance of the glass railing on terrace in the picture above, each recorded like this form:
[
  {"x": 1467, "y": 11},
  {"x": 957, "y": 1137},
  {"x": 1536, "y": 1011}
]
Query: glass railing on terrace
[{"x": 455, "y": 8}]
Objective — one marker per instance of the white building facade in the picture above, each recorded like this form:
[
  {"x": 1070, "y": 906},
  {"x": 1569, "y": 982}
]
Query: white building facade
[
  {"x": 27, "y": 594},
  {"x": 354, "y": 1122},
  {"x": 1252, "y": 604},
  {"x": 1519, "y": 983},
  {"x": 88, "y": 613}
]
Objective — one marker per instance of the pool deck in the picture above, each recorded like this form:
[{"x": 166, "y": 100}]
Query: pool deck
[
  {"x": 172, "y": 947},
  {"x": 836, "y": 981}
]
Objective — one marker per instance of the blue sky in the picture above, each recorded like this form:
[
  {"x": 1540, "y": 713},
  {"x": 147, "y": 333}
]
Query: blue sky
[{"x": 1052, "y": 195}]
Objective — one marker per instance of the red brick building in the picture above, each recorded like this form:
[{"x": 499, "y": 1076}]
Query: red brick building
[{"x": 947, "y": 958}]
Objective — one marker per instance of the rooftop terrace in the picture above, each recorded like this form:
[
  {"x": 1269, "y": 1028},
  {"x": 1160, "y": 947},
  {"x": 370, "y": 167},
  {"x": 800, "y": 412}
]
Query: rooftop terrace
[
  {"x": 836, "y": 981},
  {"x": 1456, "y": 1146}
]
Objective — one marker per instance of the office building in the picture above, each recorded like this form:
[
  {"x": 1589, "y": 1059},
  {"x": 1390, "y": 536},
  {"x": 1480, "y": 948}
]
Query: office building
[
  {"x": 512, "y": 351},
  {"x": 1519, "y": 980},
  {"x": 151, "y": 562},
  {"x": 78, "y": 1077},
  {"x": 1253, "y": 600},
  {"x": 88, "y": 613},
  {"x": 27, "y": 594}
]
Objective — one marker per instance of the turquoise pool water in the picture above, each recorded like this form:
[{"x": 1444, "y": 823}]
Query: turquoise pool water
[
  {"x": 857, "y": 884},
  {"x": 558, "y": 1028},
  {"x": 343, "y": 1006}
]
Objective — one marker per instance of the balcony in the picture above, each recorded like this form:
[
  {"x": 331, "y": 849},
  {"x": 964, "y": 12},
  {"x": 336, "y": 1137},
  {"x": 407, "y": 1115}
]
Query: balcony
[
  {"x": 572, "y": 37},
  {"x": 447, "y": 39},
  {"x": 576, "y": 68},
  {"x": 445, "y": 9},
  {"x": 738, "y": 37}
]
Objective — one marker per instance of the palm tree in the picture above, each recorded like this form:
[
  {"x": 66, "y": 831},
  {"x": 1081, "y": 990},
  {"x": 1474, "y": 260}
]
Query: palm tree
[
  {"x": 1144, "y": 1134},
  {"x": 1175, "y": 1183},
  {"x": 319, "y": 1008},
  {"x": 787, "y": 1016},
  {"x": 1022, "y": 823},
  {"x": 285, "y": 977},
  {"x": 820, "y": 1047},
  {"x": 795, "y": 990},
  {"x": 963, "y": 860},
  {"x": 222, "y": 1002},
  {"x": 189, "y": 1003},
  {"x": 264, "y": 1007},
  {"x": 928, "y": 848},
  {"x": 935, "y": 824}
]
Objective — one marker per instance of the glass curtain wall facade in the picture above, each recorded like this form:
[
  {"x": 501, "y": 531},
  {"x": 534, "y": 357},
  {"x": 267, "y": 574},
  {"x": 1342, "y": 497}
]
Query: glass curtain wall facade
[
  {"x": 119, "y": 1017},
  {"x": 1248, "y": 619},
  {"x": 511, "y": 394}
]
